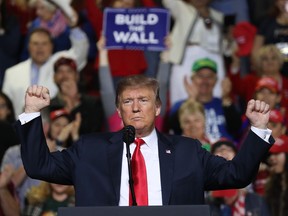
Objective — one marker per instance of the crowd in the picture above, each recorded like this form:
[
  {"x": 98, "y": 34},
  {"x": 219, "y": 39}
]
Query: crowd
[{"x": 219, "y": 55}]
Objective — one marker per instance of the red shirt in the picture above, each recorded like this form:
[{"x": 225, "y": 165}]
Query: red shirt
[{"x": 126, "y": 62}]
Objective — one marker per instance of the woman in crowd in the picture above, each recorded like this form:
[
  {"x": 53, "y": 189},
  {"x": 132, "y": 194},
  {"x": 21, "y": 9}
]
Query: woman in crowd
[
  {"x": 273, "y": 30},
  {"x": 192, "y": 122},
  {"x": 62, "y": 133},
  {"x": 276, "y": 193},
  {"x": 268, "y": 63},
  {"x": 6, "y": 109}
]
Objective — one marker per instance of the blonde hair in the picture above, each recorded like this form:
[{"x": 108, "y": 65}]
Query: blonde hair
[
  {"x": 49, "y": 5},
  {"x": 190, "y": 107},
  {"x": 268, "y": 49},
  {"x": 38, "y": 194}
]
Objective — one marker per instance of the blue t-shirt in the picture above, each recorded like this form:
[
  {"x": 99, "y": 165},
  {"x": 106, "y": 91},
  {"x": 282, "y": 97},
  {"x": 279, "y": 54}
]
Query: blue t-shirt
[{"x": 215, "y": 119}]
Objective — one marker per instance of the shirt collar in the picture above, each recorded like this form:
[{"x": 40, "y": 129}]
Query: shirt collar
[{"x": 151, "y": 140}]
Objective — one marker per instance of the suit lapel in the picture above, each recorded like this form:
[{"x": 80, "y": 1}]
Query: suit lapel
[
  {"x": 115, "y": 152},
  {"x": 166, "y": 159}
]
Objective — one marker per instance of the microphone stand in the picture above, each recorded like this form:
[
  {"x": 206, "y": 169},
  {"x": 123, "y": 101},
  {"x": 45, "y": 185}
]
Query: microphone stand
[{"x": 131, "y": 182}]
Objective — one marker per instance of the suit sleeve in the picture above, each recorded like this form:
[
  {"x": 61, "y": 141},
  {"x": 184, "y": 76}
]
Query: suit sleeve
[
  {"x": 38, "y": 162},
  {"x": 239, "y": 172}
]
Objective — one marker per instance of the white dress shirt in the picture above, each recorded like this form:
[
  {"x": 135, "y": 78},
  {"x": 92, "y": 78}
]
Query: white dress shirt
[{"x": 149, "y": 151}]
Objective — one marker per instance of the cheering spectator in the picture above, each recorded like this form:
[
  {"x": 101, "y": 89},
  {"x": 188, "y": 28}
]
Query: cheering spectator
[
  {"x": 38, "y": 69},
  {"x": 273, "y": 30},
  {"x": 62, "y": 133},
  {"x": 276, "y": 187},
  {"x": 234, "y": 201},
  {"x": 49, "y": 17},
  {"x": 222, "y": 117},
  {"x": 71, "y": 99},
  {"x": 192, "y": 122},
  {"x": 197, "y": 33}
]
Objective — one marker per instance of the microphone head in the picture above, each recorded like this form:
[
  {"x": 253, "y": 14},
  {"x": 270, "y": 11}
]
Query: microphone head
[{"x": 129, "y": 134}]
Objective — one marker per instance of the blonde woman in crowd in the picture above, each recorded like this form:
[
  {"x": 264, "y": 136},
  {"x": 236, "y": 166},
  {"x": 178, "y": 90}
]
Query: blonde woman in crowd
[{"x": 192, "y": 122}]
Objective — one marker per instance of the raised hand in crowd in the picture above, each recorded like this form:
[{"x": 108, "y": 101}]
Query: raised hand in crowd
[
  {"x": 71, "y": 129},
  {"x": 191, "y": 88}
]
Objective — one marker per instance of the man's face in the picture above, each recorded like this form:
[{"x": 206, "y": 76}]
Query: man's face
[
  {"x": 137, "y": 107},
  {"x": 205, "y": 80},
  {"x": 40, "y": 48}
]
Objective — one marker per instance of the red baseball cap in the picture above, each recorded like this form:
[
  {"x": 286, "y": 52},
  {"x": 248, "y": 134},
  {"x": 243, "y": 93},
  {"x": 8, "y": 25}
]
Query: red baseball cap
[
  {"x": 267, "y": 82},
  {"x": 276, "y": 116},
  {"x": 280, "y": 145},
  {"x": 224, "y": 193},
  {"x": 244, "y": 34},
  {"x": 58, "y": 113}
]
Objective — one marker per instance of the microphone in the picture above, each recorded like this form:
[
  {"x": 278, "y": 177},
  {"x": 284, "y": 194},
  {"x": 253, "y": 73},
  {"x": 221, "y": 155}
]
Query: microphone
[
  {"x": 128, "y": 138},
  {"x": 129, "y": 134}
]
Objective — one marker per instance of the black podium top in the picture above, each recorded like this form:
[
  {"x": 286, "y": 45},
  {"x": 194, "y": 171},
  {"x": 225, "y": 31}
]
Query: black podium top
[{"x": 177, "y": 210}]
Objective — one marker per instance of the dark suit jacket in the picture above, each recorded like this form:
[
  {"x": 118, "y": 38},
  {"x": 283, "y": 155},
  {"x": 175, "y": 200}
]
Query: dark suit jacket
[{"x": 93, "y": 166}]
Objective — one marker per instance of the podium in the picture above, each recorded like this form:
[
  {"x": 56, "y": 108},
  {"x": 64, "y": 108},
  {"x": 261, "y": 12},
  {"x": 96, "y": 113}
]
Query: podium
[{"x": 171, "y": 210}]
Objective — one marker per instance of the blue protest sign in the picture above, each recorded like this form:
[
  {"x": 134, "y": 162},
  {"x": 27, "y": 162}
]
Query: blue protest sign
[{"x": 137, "y": 28}]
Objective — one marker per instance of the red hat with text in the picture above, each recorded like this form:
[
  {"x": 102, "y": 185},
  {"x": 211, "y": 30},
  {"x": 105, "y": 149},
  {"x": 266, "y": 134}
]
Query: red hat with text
[
  {"x": 280, "y": 145},
  {"x": 269, "y": 83},
  {"x": 244, "y": 34}
]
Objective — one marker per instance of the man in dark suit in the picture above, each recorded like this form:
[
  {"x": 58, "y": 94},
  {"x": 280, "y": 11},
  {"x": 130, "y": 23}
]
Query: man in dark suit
[{"x": 178, "y": 169}]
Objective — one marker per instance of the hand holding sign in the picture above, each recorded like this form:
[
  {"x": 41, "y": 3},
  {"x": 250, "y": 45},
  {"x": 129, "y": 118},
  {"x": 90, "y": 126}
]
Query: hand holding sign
[{"x": 140, "y": 28}]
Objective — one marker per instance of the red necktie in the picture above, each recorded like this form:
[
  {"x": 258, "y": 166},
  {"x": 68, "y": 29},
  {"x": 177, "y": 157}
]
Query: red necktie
[{"x": 139, "y": 175}]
